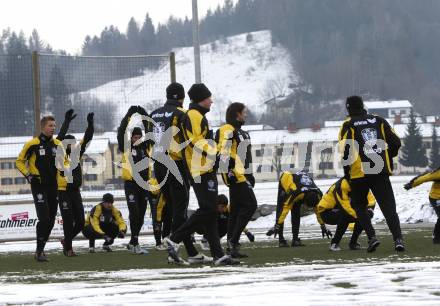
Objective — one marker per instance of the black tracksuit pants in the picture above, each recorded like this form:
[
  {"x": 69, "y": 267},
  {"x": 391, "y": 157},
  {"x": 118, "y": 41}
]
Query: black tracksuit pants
[
  {"x": 341, "y": 219},
  {"x": 137, "y": 201},
  {"x": 382, "y": 190},
  {"x": 295, "y": 217},
  {"x": 177, "y": 200},
  {"x": 167, "y": 220},
  {"x": 46, "y": 205},
  {"x": 205, "y": 217},
  {"x": 436, "y": 205},
  {"x": 157, "y": 226},
  {"x": 110, "y": 229},
  {"x": 72, "y": 212},
  {"x": 242, "y": 207}
]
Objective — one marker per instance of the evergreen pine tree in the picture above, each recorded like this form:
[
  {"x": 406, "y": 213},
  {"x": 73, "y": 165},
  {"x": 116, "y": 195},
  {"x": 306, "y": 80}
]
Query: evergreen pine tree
[
  {"x": 133, "y": 37},
  {"x": 435, "y": 152},
  {"x": 147, "y": 36},
  {"x": 413, "y": 152}
]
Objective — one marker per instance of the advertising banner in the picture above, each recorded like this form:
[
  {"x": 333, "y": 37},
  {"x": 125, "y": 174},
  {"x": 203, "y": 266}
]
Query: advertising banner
[{"x": 19, "y": 221}]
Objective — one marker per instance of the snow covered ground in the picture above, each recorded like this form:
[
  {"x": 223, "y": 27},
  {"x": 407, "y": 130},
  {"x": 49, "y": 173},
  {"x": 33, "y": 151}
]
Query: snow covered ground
[
  {"x": 233, "y": 68},
  {"x": 368, "y": 283}
]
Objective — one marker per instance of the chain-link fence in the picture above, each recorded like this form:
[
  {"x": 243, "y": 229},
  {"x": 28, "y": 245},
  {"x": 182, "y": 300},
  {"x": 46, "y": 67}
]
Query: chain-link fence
[{"x": 35, "y": 85}]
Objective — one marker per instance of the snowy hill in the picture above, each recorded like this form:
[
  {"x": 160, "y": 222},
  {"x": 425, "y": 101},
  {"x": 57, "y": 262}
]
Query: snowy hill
[{"x": 234, "y": 68}]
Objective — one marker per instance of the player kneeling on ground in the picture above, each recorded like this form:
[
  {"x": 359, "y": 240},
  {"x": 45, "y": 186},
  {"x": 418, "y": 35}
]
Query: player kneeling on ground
[
  {"x": 335, "y": 209},
  {"x": 293, "y": 190},
  {"x": 434, "y": 196},
  {"x": 104, "y": 221}
]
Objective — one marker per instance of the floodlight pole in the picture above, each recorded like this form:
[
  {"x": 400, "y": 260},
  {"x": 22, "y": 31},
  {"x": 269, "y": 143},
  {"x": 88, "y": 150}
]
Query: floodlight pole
[{"x": 196, "y": 42}]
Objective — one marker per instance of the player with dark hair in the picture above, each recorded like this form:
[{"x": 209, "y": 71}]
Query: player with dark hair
[
  {"x": 166, "y": 152},
  {"x": 200, "y": 156},
  {"x": 369, "y": 144},
  {"x": 134, "y": 153},
  {"x": 335, "y": 209},
  {"x": 104, "y": 221},
  {"x": 294, "y": 189},
  {"x": 238, "y": 174},
  {"x": 69, "y": 183}
]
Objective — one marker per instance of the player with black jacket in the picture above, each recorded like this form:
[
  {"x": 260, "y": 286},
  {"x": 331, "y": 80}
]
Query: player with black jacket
[
  {"x": 69, "y": 183},
  {"x": 134, "y": 174},
  {"x": 369, "y": 145},
  {"x": 238, "y": 176},
  {"x": 200, "y": 155},
  {"x": 37, "y": 163},
  {"x": 169, "y": 166}
]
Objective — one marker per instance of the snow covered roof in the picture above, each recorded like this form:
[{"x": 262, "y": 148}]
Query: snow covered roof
[
  {"x": 387, "y": 104},
  {"x": 425, "y": 129},
  {"x": 300, "y": 136},
  {"x": 10, "y": 150}
]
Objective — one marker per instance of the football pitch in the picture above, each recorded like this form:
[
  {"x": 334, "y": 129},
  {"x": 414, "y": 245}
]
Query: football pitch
[{"x": 310, "y": 275}]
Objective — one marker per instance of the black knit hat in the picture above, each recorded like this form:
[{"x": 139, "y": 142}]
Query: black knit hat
[
  {"x": 175, "y": 91},
  {"x": 69, "y": 136},
  {"x": 136, "y": 131},
  {"x": 108, "y": 198},
  {"x": 199, "y": 92},
  {"x": 354, "y": 103}
]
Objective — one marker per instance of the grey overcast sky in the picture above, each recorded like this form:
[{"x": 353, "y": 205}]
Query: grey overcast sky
[{"x": 65, "y": 23}]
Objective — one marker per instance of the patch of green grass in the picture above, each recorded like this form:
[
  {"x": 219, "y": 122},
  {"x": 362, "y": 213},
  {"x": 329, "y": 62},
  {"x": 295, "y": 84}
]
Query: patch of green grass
[
  {"x": 345, "y": 285},
  {"x": 399, "y": 279},
  {"x": 21, "y": 267}
]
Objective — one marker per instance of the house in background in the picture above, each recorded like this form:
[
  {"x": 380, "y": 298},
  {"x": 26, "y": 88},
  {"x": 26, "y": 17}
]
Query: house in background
[{"x": 389, "y": 109}]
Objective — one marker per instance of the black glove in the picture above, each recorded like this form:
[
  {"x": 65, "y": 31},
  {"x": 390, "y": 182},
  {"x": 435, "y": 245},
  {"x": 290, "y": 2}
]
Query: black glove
[
  {"x": 32, "y": 179},
  {"x": 251, "y": 180},
  {"x": 90, "y": 118},
  {"x": 250, "y": 236},
  {"x": 142, "y": 111},
  {"x": 408, "y": 186},
  {"x": 231, "y": 177},
  {"x": 121, "y": 234},
  {"x": 325, "y": 231},
  {"x": 273, "y": 231},
  {"x": 69, "y": 116},
  {"x": 132, "y": 110}
]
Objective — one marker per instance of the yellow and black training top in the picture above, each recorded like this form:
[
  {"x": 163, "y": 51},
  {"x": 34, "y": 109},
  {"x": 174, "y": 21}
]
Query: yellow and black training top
[
  {"x": 291, "y": 191},
  {"x": 75, "y": 180},
  {"x": 200, "y": 155},
  {"x": 99, "y": 215},
  {"x": 133, "y": 154},
  {"x": 37, "y": 158},
  {"x": 168, "y": 118},
  {"x": 230, "y": 140},
  {"x": 371, "y": 132},
  {"x": 338, "y": 197},
  {"x": 433, "y": 176}
]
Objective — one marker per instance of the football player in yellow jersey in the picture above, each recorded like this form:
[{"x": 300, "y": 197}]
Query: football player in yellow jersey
[
  {"x": 69, "y": 183},
  {"x": 335, "y": 209},
  {"x": 37, "y": 163},
  {"x": 104, "y": 221},
  {"x": 434, "y": 196}
]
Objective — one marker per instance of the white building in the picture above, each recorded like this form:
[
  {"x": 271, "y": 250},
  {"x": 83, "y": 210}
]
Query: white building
[{"x": 389, "y": 109}]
